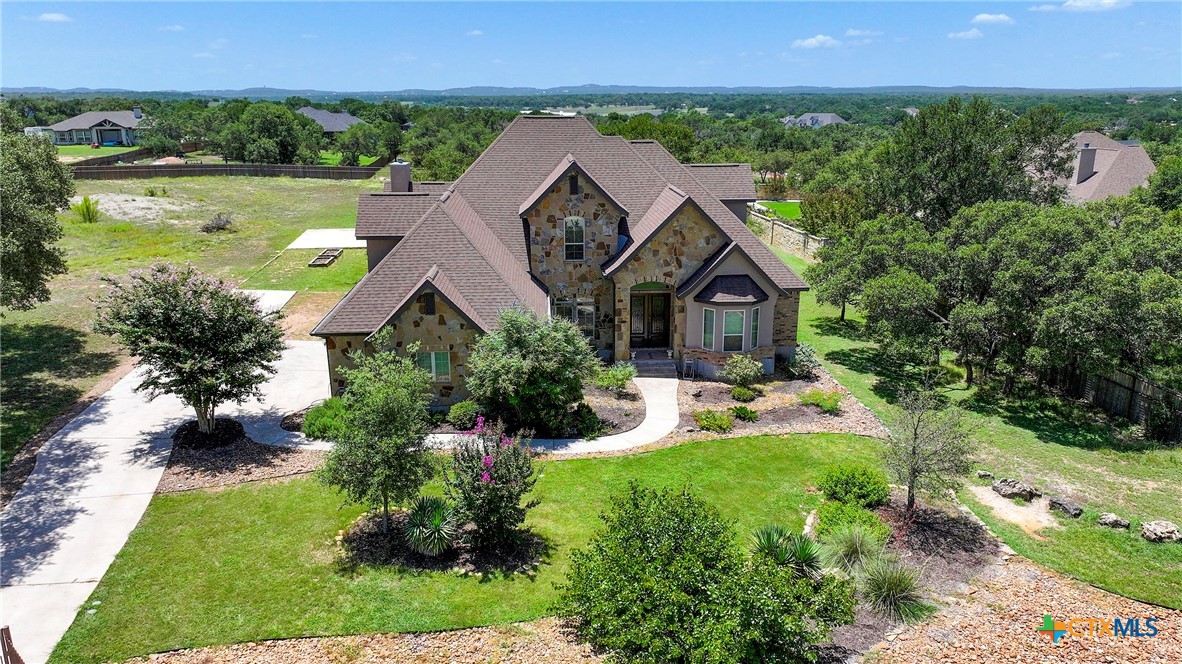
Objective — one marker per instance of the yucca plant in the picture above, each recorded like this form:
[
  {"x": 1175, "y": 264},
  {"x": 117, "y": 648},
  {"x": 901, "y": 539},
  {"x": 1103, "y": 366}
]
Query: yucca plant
[
  {"x": 769, "y": 541},
  {"x": 893, "y": 590},
  {"x": 788, "y": 549},
  {"x": 87, "y": 210},
  {"x": 431, "y": 526},
  {"x": 851, "y": 547}
]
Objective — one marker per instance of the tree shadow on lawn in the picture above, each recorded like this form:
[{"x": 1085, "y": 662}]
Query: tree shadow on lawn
[
  {"x": 1050, "y": 418},
  {"x": 832, "y": 326},
  {"x": 894, "y": 376}
]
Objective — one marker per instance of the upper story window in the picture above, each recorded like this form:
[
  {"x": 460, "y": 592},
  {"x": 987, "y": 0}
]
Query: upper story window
[
  {"x": 574, "y": 236},
  {"x": 573, "y": 180}
]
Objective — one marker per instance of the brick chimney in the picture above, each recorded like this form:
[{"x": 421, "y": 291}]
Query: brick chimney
[
  {"x": 1087, "y": 163},
  {"x": 400, "y": 176}
]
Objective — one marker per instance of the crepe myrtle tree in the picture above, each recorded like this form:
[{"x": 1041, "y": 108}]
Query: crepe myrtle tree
[{"x": 196, "y": 338}]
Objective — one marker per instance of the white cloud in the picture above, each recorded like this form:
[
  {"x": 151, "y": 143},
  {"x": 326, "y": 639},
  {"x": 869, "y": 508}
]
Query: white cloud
[
  {"x": 992, "y": 19},
  {"x": 820, "y": 41},
  {"x": 218, "y": 43},
  {"x": 475, "y": 33},
  {"x": 1083, "y": 6},
  {"x": 204, "y": 54},
  {"x": 853, "y": 32},
  {"x": 967, "y": 34},
  {"x": 54, "y": 18},
  {"x": 1111, "y": 55},
  {"x": 172, "y": 28},
  {"x": 498, "y": 61},
  {"x": 404, "y": 57}
]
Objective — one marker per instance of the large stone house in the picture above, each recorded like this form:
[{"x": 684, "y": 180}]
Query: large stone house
[{"x": 645, "y": 254}]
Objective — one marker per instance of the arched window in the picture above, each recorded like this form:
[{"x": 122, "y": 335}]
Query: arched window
[{"x": 574, "y": 234}]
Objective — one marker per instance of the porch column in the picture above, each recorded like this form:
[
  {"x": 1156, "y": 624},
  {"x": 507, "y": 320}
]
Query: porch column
[{"x": 623, "y": 322}]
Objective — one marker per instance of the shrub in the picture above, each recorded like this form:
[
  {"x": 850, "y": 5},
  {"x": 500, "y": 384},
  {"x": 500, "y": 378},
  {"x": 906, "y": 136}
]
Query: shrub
[
  {"x": 326, "y": 421},
  {"x": 829, "y": 401},
  {"x": 741, "y": 370},
  {"x": 489, "y": 475},
  {"x": 794, "y": 551},
  {"x": 893, "y": 591},
  {"x": 430, "y": 526},
  {"x": 665, "y": 581},
  {"x": 855, "y": 483},
  {"x": 616, "y": 378},
  {"x": 743, "y": 394},
  {"x": 718, "y": 421},
  {"x": 584, "y": 423},
  {"x": 805, "y": 363},
  {"x": 745, "y": 414},
  {"x": 152, "y": 192},
  {"x": 220, "y": 222},
  {"x": 463, "y": 414},
  {"x": 87, "y": 210},
  {"x": 530, "y": 371},
  {"x": 851, "y": 547},
  {"x": 833, "y": 515}
]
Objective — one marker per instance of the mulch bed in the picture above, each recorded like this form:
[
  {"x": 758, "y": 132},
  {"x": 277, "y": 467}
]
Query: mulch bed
[
  {"x": 295, "y": 421},
  {"x": 364, "y": 543},
  {"x": 240, "y": 461},
  {"x": 225, "y": 431},
  {"x": 617, "y": 414}
]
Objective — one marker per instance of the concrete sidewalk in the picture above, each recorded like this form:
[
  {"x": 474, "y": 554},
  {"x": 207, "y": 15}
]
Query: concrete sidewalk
[{"x": 94, "y": 479}]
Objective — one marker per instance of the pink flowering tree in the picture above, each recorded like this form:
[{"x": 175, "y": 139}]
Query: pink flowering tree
[
  {"x": 194, "y": 336},
  {"x": 488, "y": 479}
]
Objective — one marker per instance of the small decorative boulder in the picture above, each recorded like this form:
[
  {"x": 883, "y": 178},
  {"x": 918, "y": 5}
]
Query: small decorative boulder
[
  {"x": 1160, "y": 531},
  {"x": 1110, "y": 520},
  {"x": 985, "y": 474},
  {"x": 1065, "y": 506},
  {"x": 1011, "y": 488}
]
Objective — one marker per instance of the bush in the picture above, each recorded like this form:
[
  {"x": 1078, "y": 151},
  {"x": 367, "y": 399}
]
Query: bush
[
  {"x": 87, "y": 210},
  {"x": 220, "y": 222},
  {"x": 741, "y": 370},
  {"x": 489, "y": 476},
  {"x": 584, "y": 423},
  {"x": 718, "y": 421},
  {"x": 829, "y": 401},
  {"x": 326, "y": 421},
  {"x": 745, "y": 414},
  {"x": 153, "y": 192},
  {"x": 855, "y": 483},
  {"x": 616, "y": 378},
  {"x": 665, "y": 581},
  {"x": 804, "y": 363},
  {"x": 463, "y": 414},
  {"x": 851, "y": 547},
  {"x": 787, "y": 549},
  {"x": 529, "y": 371},
  {"x": 430, "y": 526},
  {"x": 743, "y": 394},
  {"x": 893, "y": 591},
  {"x": 831, "y": 516}
]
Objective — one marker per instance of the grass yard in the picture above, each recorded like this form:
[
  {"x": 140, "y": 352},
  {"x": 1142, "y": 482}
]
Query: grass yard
[
  {"x": 329, "y": 158},
  {"x": 1059, "y": 447},
  {"x": 290, "y": 271},
  {"x": 257, "y": 561},
  {"x": 137, "y": 230},
  {"x": 783, "y": 209},
  {"x": 70, "y": 153}
]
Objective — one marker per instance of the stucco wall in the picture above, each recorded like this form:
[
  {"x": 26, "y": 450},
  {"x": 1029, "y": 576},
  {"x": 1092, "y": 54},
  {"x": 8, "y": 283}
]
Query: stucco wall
[
  {"x": 376, "y": 250},
  {"x": 576, "y": 280},
  {"x": 734, "y": 264}
]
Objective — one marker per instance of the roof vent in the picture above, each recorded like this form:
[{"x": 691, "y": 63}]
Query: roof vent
[{"x": 137, "y": 112}]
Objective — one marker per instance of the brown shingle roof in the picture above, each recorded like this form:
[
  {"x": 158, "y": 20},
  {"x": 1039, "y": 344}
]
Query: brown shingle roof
[
  {"x": 388, "y": 214},
  {"x": 728, "y": 182},
  {"x": 731, "y": 289},
  {"x": 1118, "y": 169}
]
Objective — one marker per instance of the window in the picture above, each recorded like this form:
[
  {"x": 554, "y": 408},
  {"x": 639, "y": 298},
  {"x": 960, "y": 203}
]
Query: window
[
  {"x": 708, "y": 329},
  {"x": 580, "y": 312},
  {"x": 574, "y": 183},
  {"x": 574, "y": 233},
  {"x": 438, "y": 364},
  {"x": 429, "y": 304},
  {"x": 82, "y": 135},
  {"x": 732, "y": 331},
  {"x": 754, "y": 327},
  {"x": 63, "y": 137}
]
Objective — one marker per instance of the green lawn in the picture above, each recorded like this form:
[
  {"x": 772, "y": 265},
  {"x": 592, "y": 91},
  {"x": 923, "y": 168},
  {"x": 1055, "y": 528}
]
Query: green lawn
[
  {"x": 268, "y": 213},
  {"x": 77, "y": 152},
  {"x": 257, "y": 561},
  {"x": 330, "y": 158},
  {"x": 290, "y": 271},
  {"x": 1059, "y": 447},
  {"x": 783, "y": 209}
]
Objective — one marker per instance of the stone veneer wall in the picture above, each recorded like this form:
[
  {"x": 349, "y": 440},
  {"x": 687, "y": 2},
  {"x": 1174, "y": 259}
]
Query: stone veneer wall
[
  {"x": 789, "y": 238},
  {"x": 669, "y": 257},
  {"x": 445, "y": 330},
  {"x": 576, "y": 280}
]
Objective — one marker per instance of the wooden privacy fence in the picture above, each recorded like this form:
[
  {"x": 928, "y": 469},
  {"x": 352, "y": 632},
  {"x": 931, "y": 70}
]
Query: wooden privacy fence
[
  {"x": 1125, "y": 394},
  {"x": 789, "y": 238},
  {"x": 106, "y": 160},
  {"x": 144, "y": 171}
]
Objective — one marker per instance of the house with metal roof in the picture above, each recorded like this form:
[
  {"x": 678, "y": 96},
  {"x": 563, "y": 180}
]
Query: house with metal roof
[
  {"x": 101, "y": 127},
  {"x": 331, "y": 123},
  {"x": 643, "y": 253},
  {"x": 813, "y": 120},
  {"x": 1105, "y": 167}
]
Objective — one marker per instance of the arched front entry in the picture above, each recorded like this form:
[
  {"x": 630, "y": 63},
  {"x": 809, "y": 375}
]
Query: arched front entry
[{"x": 650, "y": 309}]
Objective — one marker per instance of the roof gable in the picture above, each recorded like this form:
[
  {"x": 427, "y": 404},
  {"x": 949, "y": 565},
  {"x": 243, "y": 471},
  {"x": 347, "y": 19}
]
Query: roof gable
[
  {"x": 565, "y": 165},
  {"x": 91, "y": 119},
  {"x": 663, "y": 210}
]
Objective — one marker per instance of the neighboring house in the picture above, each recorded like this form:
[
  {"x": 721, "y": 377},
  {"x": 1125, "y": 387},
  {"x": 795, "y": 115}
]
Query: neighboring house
[
  {"x": 813, "y": 120},
  {"x": 331, "y": 123},
  {"x": 39, "y": 132},
  {"x": 102, "y": 127},
  {"x": 637, "y": 249},
  {"x": 1104, "y": 167},
  {"x": 911, "y": 110}
]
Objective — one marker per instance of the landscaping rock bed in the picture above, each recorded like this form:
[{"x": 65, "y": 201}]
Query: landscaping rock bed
[
  {"x": 241, "y": 461},
  {"x": 364, "y": 543}
]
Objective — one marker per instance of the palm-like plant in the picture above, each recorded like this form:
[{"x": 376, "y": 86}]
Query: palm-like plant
[
  {"x": 769, "y": 541},
  {"x": 893, "y": 590},
  {"x": 431, "y": 526},
  {"x": 851, "y": 548},
  {"x": 788, "y": 549}
]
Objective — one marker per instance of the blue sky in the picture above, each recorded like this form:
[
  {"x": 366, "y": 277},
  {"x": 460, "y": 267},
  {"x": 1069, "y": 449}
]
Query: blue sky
[{"x": 389, "y": 46}]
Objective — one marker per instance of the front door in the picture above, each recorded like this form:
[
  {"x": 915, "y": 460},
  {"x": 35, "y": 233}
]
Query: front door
[{"x": 650, "y": 320}]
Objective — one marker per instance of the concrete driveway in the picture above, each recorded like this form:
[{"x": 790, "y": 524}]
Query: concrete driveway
[{"x": 94, "y": 479}]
